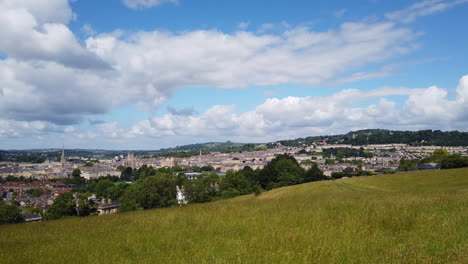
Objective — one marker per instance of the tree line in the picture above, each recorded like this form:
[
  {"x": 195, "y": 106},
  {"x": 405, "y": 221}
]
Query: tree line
[{"x": 382, "y": 136}]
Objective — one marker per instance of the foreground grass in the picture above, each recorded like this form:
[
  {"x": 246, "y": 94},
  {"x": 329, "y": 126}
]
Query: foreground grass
[{"x": 419, "y": 217}]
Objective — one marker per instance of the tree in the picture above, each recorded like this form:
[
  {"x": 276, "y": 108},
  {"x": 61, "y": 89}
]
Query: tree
[
  {"x": 127, "y": 174},
  {"x": 75, "y": 178},
  {"x": 101, "y": 188},
  {"x": 116, "y": 191},
  {"x": 283, "y": 170},
  {"x": 76, "y": 173},
  {"x": 85, "y": 209},
  {"x": 64, "y": 205},
  {"x": 151, "y": 192},
  {"x": 207, "y": 168},
  {"x": 408, "y": 165},
  {"x": 289, "y": 172},
  {"x": 203, "y": 189},
  {"x": 439, "y": 154},
  {"x": 10, "y": 214},
  {"x": 454, "y": 161},
  {"x": 314, "y": 174},
  {"x": 235, "y": 183}
]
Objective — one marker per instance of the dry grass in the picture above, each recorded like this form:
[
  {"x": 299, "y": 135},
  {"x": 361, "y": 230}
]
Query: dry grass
[{"x": 405, "y": 218}]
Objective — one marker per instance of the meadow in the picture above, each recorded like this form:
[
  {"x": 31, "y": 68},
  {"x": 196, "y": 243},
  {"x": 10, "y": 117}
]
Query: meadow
[{"x": 417, "y": 217}]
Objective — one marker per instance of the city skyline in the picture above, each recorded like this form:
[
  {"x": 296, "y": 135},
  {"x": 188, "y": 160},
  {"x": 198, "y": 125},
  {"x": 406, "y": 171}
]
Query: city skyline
[{"x": 150, "y": 74}]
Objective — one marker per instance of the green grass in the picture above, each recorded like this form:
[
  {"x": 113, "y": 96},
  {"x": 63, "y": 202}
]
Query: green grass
[{"x": 419, "y": 217}]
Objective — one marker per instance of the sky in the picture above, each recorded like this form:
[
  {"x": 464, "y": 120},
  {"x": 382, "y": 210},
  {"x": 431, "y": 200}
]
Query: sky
[{"x": 150, "y": 74}]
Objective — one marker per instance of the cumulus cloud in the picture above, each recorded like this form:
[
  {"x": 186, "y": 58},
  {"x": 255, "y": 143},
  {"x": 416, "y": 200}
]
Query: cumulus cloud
[
  {"x": 47, "y": 91},
  {"x": 36, "y": 30},
  {"x": 135, "y": 4},
  {"x": 422, "y": 8},
  {"x": 242, "y": 59},
  {"x": 12, "y": 128},
  {"x": 49, "y": 80},
  {"x": 290, "y": 117},
  {"x": 301, "y": 116}
]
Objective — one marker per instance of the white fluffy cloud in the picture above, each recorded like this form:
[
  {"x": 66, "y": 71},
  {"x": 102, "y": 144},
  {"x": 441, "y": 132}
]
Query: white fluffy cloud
[
  {"x": 423, "y": 8},
  {"x": 296, "y": 116},
  {"x": 48, "y": 75},
  {"x": 36, "y": 30},
  {"x": 274, "y": 119},
  {"x": 146, "y": 3},
  {"x": 50, "y": 80}
]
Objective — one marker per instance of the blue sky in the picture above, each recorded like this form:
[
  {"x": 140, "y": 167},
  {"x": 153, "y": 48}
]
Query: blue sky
[{"x": 146, "y": 74}]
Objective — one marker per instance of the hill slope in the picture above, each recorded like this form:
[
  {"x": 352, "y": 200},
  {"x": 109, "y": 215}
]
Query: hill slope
[
  {"x": 418, "y": 217},
  {"x": 383, "y": 136}
]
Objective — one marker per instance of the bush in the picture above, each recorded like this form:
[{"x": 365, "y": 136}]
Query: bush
[
  {"x": 230, "y": 193},
  {"x": 367, "y": 173},
  {"x": 338, "y": 175},
  {"x": 454, "y": 161},
  {"x": 389, "y": 172},
  {"x": 10, "y": 214}
]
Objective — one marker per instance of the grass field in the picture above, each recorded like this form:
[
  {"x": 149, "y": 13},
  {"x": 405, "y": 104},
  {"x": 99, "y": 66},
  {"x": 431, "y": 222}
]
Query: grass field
[{"x": 419, "y": 217}]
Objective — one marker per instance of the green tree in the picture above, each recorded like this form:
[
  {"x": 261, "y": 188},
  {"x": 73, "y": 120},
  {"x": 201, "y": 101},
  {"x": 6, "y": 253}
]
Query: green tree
[
  {"x": 235, "y": 183},
  {"x": 10, "y": 214},
  {"x": 151, "y": 192},
  {"x": 203, "y": 189},
  {"x": 85, "y": 209},
  {"x": 75, "y": 178},
  {"x": 314, "y": 174},
  {"x": 116, "y": 191},
  {"x": 454, "y": 161},
  {"x": 439, "y": 154},
  {"x": 101, "y": 188},
  {"x": 127, "y": 174},
  {"x": 76, "y": 173},
  {"x": 207, "y": 168},
  {"x": 283, "y": 170},
  {"x": 64, "y": 205},
  {"x": 408, "y": 165}
]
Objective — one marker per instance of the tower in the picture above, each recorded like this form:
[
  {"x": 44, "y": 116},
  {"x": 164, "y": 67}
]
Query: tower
[
  {"x": 131, "y": 160},
  {"x": 63, "y": 160}
]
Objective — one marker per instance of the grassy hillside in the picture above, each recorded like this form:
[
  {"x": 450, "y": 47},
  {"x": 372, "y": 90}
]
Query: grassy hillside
[{"x": 419, "y": 217}]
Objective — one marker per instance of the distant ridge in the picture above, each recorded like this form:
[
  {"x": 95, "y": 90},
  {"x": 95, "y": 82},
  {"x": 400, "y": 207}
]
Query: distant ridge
[
  {"x": 359, "y": 137},
  {"x": 383, "y": 136}
]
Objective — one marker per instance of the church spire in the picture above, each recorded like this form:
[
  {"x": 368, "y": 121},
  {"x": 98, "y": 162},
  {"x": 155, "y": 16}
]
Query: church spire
[{"x": 63, "y": 160}]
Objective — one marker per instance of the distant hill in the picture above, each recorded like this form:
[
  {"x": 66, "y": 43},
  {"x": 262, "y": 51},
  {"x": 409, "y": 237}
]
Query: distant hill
[
  {"x": 417, "y": 217},
  {"x": 194, "y": 149},
  {"x": 360, "y": 137},
  {"x": 210, "y": 146},
  {"x": 382, "y": 136}
]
